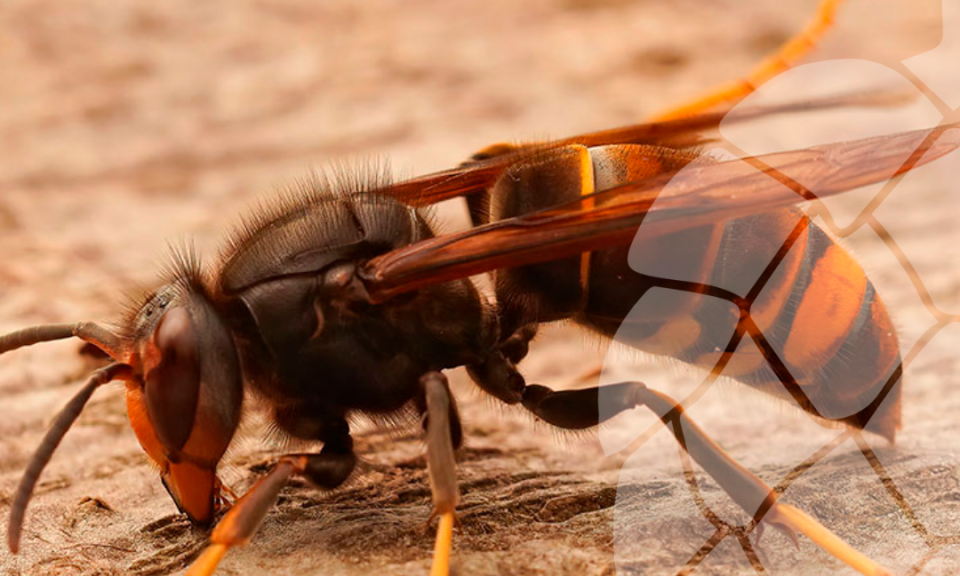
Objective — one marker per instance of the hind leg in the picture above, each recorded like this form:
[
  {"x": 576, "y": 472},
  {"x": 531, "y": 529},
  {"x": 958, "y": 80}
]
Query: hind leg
[
  {"x": 578, "y": 409},
  {"x": 784, "y": 59}
]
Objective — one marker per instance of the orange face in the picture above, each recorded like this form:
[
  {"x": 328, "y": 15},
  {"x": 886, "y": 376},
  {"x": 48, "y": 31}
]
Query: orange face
[
  {"x": 185, "y": 402},
  {"x": 194, "y": 487}
]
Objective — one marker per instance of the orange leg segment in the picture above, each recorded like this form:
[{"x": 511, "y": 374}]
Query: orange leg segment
[
  {"x": 785, "y": 58},
  {"x": 441, "y": 466},
  {"x": 242, "y": 521}
]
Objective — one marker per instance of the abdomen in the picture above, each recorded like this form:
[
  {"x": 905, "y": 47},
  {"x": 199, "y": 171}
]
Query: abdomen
[{"x": 819, "y": 332}]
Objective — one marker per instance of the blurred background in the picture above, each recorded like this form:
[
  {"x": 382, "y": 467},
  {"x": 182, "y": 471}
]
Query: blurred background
[{"x": 126, "y": 126}]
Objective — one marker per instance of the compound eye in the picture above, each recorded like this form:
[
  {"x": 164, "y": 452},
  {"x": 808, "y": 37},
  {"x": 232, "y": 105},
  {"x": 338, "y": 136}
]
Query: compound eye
[{"x": 172, "y": 378}]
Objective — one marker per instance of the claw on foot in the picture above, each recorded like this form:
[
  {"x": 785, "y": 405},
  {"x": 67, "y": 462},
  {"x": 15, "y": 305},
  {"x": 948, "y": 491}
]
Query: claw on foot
[
  {"x": 792, "y": 520},
  {"x": 785, "y": 528}
]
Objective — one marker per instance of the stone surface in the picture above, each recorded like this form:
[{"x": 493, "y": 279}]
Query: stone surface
[{"x": 123, "y": 127}]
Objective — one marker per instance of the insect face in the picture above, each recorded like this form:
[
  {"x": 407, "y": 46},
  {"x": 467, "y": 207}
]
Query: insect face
[
  {"x": 184, "y": 403},
  {"x": 184, "y": 392}
]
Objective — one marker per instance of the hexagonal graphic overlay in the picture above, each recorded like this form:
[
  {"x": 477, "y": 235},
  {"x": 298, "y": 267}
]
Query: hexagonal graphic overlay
[{"x": 776, "y": 301}]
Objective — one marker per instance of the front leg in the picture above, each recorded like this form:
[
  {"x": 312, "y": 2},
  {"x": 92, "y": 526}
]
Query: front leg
[
  {"x": 328, "y": 469},
  {"x": 440, "y": 421}
]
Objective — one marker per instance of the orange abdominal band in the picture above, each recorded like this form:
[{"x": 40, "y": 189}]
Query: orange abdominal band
[{"x": 587, "y": 187}]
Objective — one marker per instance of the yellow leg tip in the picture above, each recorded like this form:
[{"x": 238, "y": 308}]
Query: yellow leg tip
[
  {"x": 207, "y": 563},
  {"x": 441, "y": 551},
  {"x": 830, "y": 542}
]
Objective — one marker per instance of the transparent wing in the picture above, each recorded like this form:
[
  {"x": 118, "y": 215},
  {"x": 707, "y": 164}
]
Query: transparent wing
[
  {"x": 698, "y": 195},
  {"x": 678, "y": 133}
]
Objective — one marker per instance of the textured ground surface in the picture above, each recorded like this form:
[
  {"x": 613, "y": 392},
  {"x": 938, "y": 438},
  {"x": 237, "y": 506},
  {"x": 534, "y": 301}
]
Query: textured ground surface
[{"x": 124, "y": 127}]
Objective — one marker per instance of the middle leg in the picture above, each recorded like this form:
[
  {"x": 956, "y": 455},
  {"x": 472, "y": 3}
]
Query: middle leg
[{"x": 443, "y": 434}]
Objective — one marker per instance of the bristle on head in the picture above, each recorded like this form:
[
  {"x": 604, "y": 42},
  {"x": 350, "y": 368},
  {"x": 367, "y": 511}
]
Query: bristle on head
[
  {"x": 182, "y": 270},
  {"x": 184, "y": 266}
]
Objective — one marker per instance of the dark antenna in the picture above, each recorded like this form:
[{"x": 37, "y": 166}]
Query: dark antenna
[
  {"x": 55, "y": 434},
  {"x": 86, "y": 331},
  {"x": 89, "y": 332}
]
